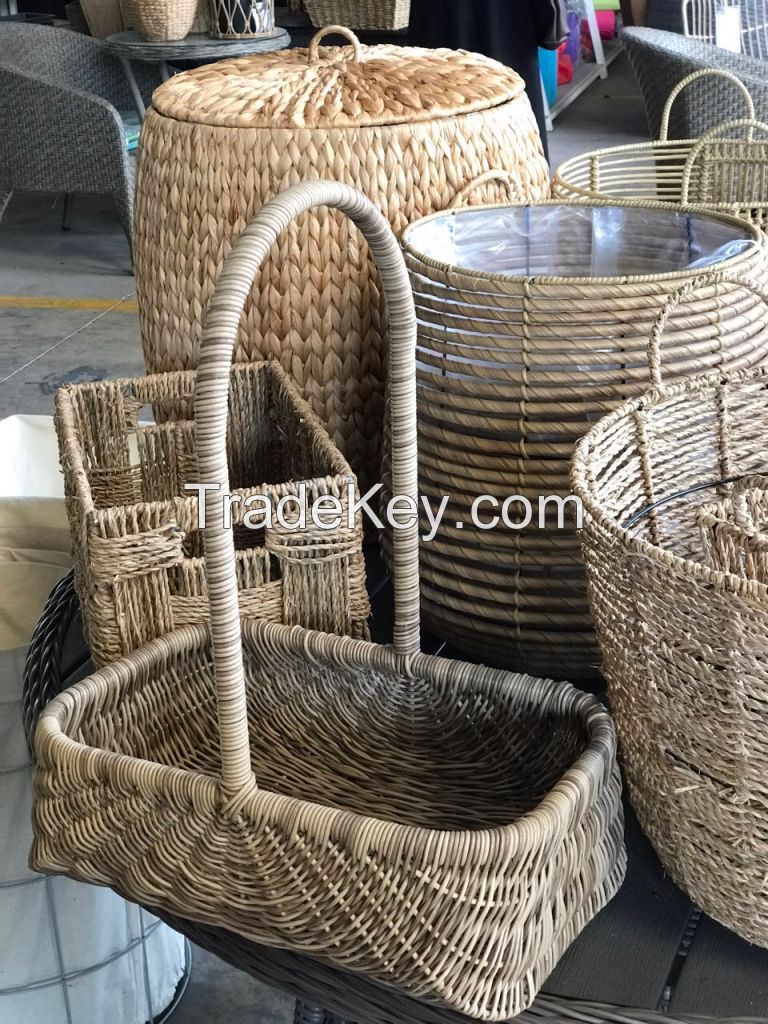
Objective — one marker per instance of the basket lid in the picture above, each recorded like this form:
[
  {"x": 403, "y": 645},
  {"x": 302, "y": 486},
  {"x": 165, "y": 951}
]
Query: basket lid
[{"x": 338, "y": 87}]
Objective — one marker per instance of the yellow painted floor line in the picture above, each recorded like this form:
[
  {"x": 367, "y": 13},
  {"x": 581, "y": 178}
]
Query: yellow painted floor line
[{"x": 54, "y": 302}]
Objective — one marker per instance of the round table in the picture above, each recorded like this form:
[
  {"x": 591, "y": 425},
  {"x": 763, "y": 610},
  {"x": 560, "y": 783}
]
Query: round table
[{"x": 199, "y": 47}]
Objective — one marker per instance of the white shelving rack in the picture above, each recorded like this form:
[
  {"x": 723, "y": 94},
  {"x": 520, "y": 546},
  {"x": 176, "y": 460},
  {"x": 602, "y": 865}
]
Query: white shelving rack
[{"x": 585, "y": 72}]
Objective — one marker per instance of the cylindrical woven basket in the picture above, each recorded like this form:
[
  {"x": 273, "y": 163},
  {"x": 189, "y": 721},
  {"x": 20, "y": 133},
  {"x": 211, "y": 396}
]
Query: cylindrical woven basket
[
  {"x": 165, "y": 20},
  {"x": 371, "y": 15},
  {"x": 138, "y": 545},
  {"x": 723, "y": 170},
  {"x": 311, "y": 791},
  {"x": 241, "y": 19},
  {"x": 533, "y": 322},
  {"x": 683, "y": 639},
  {"x": 409, "y": 127}
]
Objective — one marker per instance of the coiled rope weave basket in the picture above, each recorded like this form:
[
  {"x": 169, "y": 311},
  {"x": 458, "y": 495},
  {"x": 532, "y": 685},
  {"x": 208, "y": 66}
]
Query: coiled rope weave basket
[
  {"x": 683, "y": 629},
  {"x": 533, "y": 322},
  {"x": 408, "y": 127},
  {"x": 723, "y": 170},
  {"x": 443, "y": 827}
]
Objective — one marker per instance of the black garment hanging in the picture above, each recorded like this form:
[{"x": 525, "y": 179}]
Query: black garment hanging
[{"x": 510, "y": 31}]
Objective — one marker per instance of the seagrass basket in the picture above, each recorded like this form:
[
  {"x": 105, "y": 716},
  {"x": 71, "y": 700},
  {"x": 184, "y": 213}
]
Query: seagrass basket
[
  {"x": 408, "y": 127},
  {"x": 445, "y": 828},
  {"x": 165, "y": 20},
  {"x": 138, "y": 545},
  {"x": 723, "y": 170},
  {"x": 533, "y": 322},
  {"x": 371, "y": 15},
  {"x": 682, "y": 622}
]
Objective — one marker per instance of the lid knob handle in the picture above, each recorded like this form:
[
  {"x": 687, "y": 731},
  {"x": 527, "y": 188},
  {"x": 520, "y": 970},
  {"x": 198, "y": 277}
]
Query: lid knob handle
[{"x": 334, "y": 30}]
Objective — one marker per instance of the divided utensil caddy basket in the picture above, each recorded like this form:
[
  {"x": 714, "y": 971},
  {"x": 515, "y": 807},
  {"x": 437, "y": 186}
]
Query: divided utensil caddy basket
[
  {"x": 534, "y": 320},
  {"x": 681, "y": 612},
  {"x": 441, "y": 827},
  {"x": 138, "y": 545},
  {"x": 408, "y": 127},
  {"x": 724, "y": 169}
]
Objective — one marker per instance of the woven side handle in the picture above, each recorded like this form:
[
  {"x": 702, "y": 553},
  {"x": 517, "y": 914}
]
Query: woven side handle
[
  {"x": 742, "y": 514},
  {"x": 676, "y": 298},
  {"x": 504, "y": 177},
  {"x": 716, "y": 134},
  {"x": 694, "y": 76},
  {"x": 211, "y": 409}
]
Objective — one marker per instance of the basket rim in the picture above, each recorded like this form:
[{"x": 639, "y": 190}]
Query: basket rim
[
  {"x": 71, "y": 444},
  {"x": 553, "y": 816},
  {"x": 754, "y": 235},
  {"x": 594, "y": 509}
]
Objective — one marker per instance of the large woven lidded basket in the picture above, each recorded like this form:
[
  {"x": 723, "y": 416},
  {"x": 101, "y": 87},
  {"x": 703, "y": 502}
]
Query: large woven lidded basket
[
  {"x": 533, "y": 322},
  {"x": 138, "y": 545},
  {"x": 372, "y": 15},
  {"x": 442, "y": 827},
  {"x": 724, "y": 169},
  {"x": 408, "y": 127},
  {"x": 683, "y": 635}
]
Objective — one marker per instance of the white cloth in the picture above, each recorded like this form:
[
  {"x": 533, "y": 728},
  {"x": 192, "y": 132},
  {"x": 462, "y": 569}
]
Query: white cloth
[{"x": 69, "y": 953}]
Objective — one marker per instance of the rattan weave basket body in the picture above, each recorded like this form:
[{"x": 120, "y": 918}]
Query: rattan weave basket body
[
  {"x": 683, "y": 636},
  {"x": 442, "y": 827},
  {"x": 371, "y": 15},
  {"x": 408, "y": 127},
  {"x": 165, "y": 20},
  {"x": 723, "y": 170},
  {"x": 138, "y": 545},
  {"x": 533, "y": 322}
]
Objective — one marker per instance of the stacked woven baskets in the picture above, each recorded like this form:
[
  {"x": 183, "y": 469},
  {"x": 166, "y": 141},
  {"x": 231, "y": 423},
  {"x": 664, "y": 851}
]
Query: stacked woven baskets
[
  {"x": 409, "y": 127},
  {"x": 533, "y": 322},
  {"x": 724, "y": 169}
]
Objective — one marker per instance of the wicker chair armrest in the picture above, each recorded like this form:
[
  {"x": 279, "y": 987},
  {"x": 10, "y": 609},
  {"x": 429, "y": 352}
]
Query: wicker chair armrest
[
  {"x": 73, "y": 61},
  {"x": 104, "y": 76},
  {"x": 55, "y": 137}
]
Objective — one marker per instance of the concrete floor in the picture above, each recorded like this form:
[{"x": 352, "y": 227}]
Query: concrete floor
[{"x": 67, "y": 312}]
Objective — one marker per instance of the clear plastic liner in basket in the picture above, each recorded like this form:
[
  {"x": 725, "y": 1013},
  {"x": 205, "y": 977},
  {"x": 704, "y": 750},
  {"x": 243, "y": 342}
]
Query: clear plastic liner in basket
[{"x": 578, "y": 241}]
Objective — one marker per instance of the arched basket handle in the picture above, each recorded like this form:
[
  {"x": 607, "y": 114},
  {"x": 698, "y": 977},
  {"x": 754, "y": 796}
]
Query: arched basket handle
[
  {"x": 222, "y": 326},
  {"x": 713, "y": 135},
  {"x": 313, "y": 54},
  {"x": 504, "y": 177},
  {"x": 693, "y": 77},
  {"x": 676, "y": 298}
]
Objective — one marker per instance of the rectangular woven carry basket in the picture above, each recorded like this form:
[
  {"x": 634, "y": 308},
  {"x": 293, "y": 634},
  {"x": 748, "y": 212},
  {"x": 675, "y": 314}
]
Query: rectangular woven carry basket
[
  {"x": 441, "y": 827},
  {"x": 370, "y": 15},
  {"x": 138, "y": 548}
]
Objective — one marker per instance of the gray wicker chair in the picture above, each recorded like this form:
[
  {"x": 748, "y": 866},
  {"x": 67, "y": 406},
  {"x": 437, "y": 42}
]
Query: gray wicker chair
[
  {"x": 60, "y": 93},
  {"x": 662, "y": 59}
]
